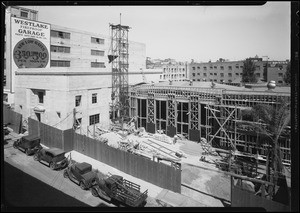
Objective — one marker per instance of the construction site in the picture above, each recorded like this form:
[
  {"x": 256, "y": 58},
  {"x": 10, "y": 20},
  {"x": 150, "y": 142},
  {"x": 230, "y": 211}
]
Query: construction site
[
  {"x": 197, "y": 124},
  {"x": 156, "y": 120}
]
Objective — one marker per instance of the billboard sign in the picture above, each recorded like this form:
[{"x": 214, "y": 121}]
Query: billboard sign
[{"x": 30, "y": 44}]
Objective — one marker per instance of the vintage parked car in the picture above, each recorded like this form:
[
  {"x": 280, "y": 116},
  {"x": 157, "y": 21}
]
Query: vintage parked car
[
  {"x": 82, "y": 174},
  {"x": 29, "y": 144},
  {"x": 54, "y": 157}
]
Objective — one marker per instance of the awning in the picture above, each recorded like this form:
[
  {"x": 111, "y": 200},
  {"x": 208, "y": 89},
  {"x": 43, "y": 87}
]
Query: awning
[{"x": 39, "y": 108}]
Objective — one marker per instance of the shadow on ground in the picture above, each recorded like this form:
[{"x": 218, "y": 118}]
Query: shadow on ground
[{"x": 22, "y": 190}]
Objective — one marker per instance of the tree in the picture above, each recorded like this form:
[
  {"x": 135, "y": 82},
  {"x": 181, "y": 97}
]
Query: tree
[
  {"x": 248, "y": 72},
  {"x": 271, "y": 122},
  {"x": 287, "y": 75}
]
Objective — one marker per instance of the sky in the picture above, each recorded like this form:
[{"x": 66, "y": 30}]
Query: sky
[{"x": 183, "y": 33}]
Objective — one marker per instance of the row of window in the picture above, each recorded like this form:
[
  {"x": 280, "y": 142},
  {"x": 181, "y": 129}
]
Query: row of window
[
  {"x": 222, "y": 67},
  {"x": 63, "y": 49},
  {"x": 174, "y": 69},
  {"x": 60, "y": 63},
  {"x": 78, "y": 99},
  {"x": 65, "y": 35},
  {"x": 222, "y": 74}
]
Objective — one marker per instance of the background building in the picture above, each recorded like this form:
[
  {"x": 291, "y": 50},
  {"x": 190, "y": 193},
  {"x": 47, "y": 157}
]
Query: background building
[{"x": 222, "y": 71}]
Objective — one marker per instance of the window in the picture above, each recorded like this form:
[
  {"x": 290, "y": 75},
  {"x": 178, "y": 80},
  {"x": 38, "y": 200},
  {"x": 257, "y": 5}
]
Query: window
[
  {"x": 204, "y": 74},
  {"x": 215, "y": 67},
  {"x": 280, "y": 74},
  {"x": 94, "y": 119},
  {"x": 280, "y": 82},
  {"x": 24, "y": 14},
  {"x": 198, "y": 68},
  {"x": 77, "y": 100},
  {"x": 222, "y": 74},
  {"x": 204, "y": 68},
  {"x": 60, "y": 49},
  {"x": 78, "y": 121},
  {"x": 222, "y": 68},
  {"x": 194, "y": 80},
  {"x": 94, "y": 98},
  {"x": 98, "y": 64},
  {"x": 182, "y": 69},
  {"x": 236, "y": 73},
  {"x": 57, "y": 63},
  {"x": 257, "y": 67},
  {"x": 41, "y": 97},
  {"x": 4, "y": 80},
  {"x": 215, "y": 73},
  {"x": 210, "y": 73},
  {"x": 229, "y": 67},
  {"x": 193, "y": 74},
  {"x": 237, "y": 66},
  {"x": 215, "y": 80},
  {"x": 211, "y": 67},
  {"x": 97, "y": 40},
  {"x": 192, "y": 67},
  {"x": 241, "y": 67},
  {"x": 198, "y": 73},
  {"x": 230, "y": 74},
  {"x": 229, "y": 81},
  {"x": 198, "y": 79},
  {"x": 60, "y": 34},
  {"x": 97, "y": 52}
]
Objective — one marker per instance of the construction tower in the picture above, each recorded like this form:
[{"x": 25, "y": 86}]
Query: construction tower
[{"x": 118, "y": 56}]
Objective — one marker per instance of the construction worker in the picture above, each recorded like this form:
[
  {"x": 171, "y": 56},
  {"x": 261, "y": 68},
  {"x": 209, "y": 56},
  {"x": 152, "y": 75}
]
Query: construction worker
[{"x": 175, "y": 139}]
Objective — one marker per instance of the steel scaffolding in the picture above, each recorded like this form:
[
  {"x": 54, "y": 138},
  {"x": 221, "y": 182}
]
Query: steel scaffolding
[{"x": 119, "y": 59}]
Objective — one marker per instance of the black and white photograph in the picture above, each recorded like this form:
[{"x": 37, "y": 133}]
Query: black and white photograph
[{"x": 150, "y": 106}]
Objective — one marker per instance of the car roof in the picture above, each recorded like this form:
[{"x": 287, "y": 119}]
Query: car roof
[
  {"x": 83, "y": 165},
  {"x": 55, "y": 151},
  {"x": 31, "y": 137}
]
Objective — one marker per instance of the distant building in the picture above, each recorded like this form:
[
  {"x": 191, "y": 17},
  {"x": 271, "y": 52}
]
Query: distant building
[
  {"x": 276, "y": 71},
  {"x": 174, "y": 72},
  {"x": 230, "y": 72}
]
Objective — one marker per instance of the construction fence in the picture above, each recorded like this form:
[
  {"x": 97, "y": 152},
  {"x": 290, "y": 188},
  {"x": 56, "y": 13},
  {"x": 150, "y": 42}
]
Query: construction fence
[
  {"x": 156, "y": 173},
  {"x": 12, "y": 118}
]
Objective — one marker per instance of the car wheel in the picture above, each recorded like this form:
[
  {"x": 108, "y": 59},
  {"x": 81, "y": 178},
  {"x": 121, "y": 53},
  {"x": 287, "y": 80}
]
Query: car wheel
[
  {"x": 94, "y": 192},
  {"x": 82, "y": 186},
  {"x": 27, "y": 152},
  {"x": 66, "y": 175},
  {"x": 52, "y": 166}
]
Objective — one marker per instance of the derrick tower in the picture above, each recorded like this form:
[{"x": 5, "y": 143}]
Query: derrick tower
[{"x": 118, "y": 57}]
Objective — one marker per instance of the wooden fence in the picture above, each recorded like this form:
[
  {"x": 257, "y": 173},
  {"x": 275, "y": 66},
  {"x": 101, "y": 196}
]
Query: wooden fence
[
  {"x": 51, "y": 136},
  {"x": 158, "y": 174},
  {"x": 13, "y": 118}
]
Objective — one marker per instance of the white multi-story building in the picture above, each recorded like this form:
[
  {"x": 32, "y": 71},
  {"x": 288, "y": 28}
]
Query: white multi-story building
[{"x": 74, "y": 85}]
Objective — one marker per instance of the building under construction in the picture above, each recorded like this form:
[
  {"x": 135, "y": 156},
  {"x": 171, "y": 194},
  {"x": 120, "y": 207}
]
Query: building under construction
[{"x": 204, "y": 110}]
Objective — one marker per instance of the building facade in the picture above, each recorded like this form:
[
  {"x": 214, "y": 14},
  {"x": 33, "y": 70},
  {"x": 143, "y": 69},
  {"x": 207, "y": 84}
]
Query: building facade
[
  {"x": 222, "y": 71},
  {"x": 75, "y": 87},
  {"x": 276, "y": 71},
  {"x": 174, "y": 72}
]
